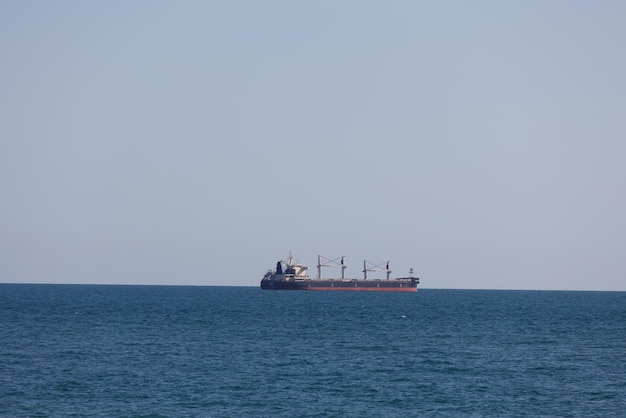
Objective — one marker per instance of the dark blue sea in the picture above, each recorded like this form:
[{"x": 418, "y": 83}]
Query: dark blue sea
[{"x": 152, "y": 351}]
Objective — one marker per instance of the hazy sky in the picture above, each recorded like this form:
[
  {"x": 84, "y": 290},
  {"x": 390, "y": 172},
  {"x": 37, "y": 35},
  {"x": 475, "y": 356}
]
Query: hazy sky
[{"x": 482, "y": 143}]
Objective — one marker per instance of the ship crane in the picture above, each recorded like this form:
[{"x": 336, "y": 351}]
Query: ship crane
[
  {"x": 327, "y": 262},
  {"x": 377, "y": 267}
]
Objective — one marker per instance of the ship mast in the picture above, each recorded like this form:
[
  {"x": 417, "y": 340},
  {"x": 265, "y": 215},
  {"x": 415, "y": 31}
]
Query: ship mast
[
  {"x": 377, "y": 267},
  {"x": 327, "y": 262}
]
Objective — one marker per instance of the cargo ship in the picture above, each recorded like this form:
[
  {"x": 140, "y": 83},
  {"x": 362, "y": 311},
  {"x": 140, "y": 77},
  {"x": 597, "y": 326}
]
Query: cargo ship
[{"x": 290, "y": 275}]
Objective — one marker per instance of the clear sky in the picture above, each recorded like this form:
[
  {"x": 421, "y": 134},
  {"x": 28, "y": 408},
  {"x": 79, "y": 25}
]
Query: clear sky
[{"x": 481, "y": 143}]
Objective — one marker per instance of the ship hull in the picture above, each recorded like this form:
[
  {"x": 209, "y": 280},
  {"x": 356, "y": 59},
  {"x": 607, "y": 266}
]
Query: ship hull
[{"x": 393, "y": 285}]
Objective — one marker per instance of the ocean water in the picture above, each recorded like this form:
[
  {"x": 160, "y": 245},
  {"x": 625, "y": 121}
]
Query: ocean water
[{"x": 72, "y": 350}]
